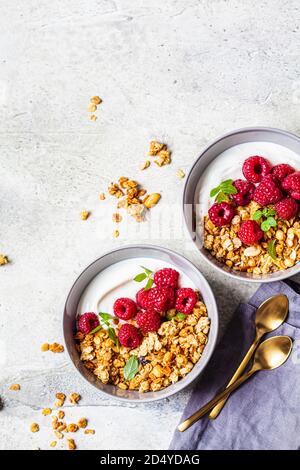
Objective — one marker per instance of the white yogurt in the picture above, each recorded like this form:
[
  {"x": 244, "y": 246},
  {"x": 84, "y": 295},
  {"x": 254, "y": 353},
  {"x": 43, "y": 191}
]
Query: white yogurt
[
  {"x": 228, "y": 165},
  {"x": 117, "y": 281}
]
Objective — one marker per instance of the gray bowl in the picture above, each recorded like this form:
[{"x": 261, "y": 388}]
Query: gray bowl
[
  {"x": 128, "y": 252},
  {"x": 191, "y": 192}
]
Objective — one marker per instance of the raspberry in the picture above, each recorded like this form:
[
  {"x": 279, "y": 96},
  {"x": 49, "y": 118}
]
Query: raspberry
[
  {"x": 267, "y": 192},
  {"x": 286, "y": 208},
  {"x": 221, "y": 214},
  {"x": 250, "y": 232},
  {"x": 148, "y": 320},
  {"x": 141, "y": 298},
  {"x": 186, "y": 299},
  {"x": 160, "y": 298},
  {"x": 291, "y": 183},
  {"x": 245, "y": 192},
  {"x": 256, "y": 168},
  {"x": 87, "y": 322},
  {"x": 281, "y": 171},
  {"x": 124, "y": 308},
  {"x": 166, "y": 277},
  {"x": 129, "y": 336}
]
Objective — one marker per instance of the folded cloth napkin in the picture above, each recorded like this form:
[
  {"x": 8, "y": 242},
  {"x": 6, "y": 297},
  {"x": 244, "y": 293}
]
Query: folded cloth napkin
[{"x": 264, "y": 413}]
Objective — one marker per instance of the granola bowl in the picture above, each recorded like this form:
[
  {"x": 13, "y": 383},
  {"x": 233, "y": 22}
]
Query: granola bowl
[
  {"x": 168, "y": 358},
  {"x": 223, "y": 174}
]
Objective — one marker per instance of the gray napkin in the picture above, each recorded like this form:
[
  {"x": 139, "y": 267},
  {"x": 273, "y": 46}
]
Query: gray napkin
[{"x": 264, "y": 413}]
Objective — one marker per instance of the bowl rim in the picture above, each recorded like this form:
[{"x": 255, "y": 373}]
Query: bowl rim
[
  {"x": 179, "y": 385},
  {"x": 285, "y": 273}
]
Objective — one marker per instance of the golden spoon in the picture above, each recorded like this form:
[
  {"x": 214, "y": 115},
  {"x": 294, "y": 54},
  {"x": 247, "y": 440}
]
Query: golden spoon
[
  {"x": 268, "y": 317},
  {"x": 270, "y": 354}
]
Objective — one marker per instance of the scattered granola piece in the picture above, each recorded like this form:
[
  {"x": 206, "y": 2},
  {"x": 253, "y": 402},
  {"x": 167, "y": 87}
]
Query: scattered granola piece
[
  {"x": 74, "y": 398},
  {"x": 93, "y": 117},
  {"x": 3, "y": 260},
  {"x": 180, "y": 174},
  {"x": 56, "y": 348},
  {"x": 96, "y": 100},
  {"x": 137, "y": 211},
  {"x": 34, "y": 427},
  {"x": 117, "y": 218},
  {"x": 46, "y": 411},
  {"x": 72, "y": 427},
  {"x": 151, "y": 200},
  {"x": 89, "y": 431},
  {"x": 61, "y": 414},
  {"x": 58, "y": 434},
  {"x": 71, "y": 444},
  {"x": 45, "y": 347},
  {"x": 14, "y": 387},
  {"x": 82, "y": 423},
  {"x": 116, "y": 233},
  {"x": 53, "y": 443},
  {"x": 92, "y": 108},
  {"x": 145, "y": 165},
  {"x": 60, "y": 399},
  {"x": 155, "y": 147},
  {"x": 102, "y": 196},
  {"x": 84, "y": 215}
]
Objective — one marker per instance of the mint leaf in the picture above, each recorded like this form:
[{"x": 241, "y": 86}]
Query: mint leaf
[
  {"x": 226, "y": 182},
  {"x": 271, "y": 221},
  {"x": 147, "y": 271},
  {"x": 99, "y": 327},
  {"x": 149, "y": 284},
  {"x": 181, "y": 316},
  {"x": 131, "y": 368},
  {"x": 105, "y": 316},
  {"x": 140, "y": 277},
  {"x": 265, "y": 226},
  {"x": 229, "y": 190},
  {"x": 272, "y": 249},
  {"x": 113, "y": 336},
  {"x": 268, "y": 211},
  {"x": 257, "y": 215},
  {"x": 222, "y": 197},
  {"x": 214, "y": 191}
]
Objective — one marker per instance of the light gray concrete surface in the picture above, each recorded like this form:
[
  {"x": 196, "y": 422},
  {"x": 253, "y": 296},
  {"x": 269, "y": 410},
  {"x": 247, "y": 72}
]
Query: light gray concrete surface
[{"x": 183, "y": 71}]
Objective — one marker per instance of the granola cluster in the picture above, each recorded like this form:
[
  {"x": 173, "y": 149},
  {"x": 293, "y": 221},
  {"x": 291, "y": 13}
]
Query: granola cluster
[
  {"x": 164, "y": 357},
  {"x": 224, "y": 244}
]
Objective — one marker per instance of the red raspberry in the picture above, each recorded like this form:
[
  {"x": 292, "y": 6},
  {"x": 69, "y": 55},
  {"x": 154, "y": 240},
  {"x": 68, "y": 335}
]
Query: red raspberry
[
  {"x": 291, "y": 183},
  {"x": 286, "y": 208},
  {"x": 281, "y": 171},
  {"x": 250, "y": 232},
  {"x": 256, "y": 168},
  {"x": 221, "y": 214},
  {"x": 129, "y": 336},
  {"x": 166, "y": 277},
  {"x": 148, "y": 320},
  {"x": 245, "y": 192},
  {"x": 124, "y": 308},
  {"x": 87, "y": 322},
  {"x": 160, "y": 298},
  {"x": 141, "y": 298},
  {"x": 267, "y": 192},
  {"x": 186, "y": 299}
]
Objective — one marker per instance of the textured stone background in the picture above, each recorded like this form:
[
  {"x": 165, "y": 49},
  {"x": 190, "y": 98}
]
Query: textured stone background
[{"x": 184, "y": 71}]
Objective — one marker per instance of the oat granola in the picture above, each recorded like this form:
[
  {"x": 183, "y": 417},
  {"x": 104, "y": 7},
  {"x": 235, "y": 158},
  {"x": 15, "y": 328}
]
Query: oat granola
[{"x": 164, "y": 356}]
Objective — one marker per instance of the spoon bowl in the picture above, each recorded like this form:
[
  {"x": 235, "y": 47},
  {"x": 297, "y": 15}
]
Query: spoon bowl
[
  {"x": 271, "y": 313},
  {"x": 272, "y": 353}
]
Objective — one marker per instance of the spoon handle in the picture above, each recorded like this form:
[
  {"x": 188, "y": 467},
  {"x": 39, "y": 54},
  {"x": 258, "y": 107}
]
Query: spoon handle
[
  {"x": 217, "y": 409},
  {"x": 198, "y": 414}
]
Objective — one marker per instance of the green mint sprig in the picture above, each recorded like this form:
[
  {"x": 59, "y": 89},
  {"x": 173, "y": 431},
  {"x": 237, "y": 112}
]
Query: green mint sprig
[
  {"x": 146, "y": 274},
  {"x": 268, "y": 214},
  {"x": 105, "y": 319},
  {"x": 272, "y": 249},
  {"x": 131, "y": 368},
  {"x": 221, "y": 192}
]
